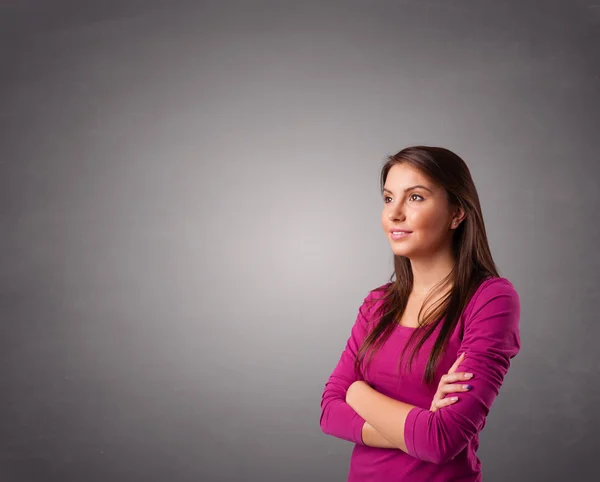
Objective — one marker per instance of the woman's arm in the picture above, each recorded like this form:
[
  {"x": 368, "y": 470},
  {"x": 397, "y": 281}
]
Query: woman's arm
[
  {"x": 337, "y": 417},
  {"x": 384, "y": 414},
  {"x": 373, "y": 438},
  {"x": 491, "y": 339}
]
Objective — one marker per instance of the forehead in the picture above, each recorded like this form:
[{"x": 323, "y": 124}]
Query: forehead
[{"x": 401, "y": 176}]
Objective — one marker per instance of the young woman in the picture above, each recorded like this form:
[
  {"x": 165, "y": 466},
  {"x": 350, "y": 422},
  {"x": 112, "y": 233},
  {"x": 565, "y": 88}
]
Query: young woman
[{"x": 418, "y": 417}]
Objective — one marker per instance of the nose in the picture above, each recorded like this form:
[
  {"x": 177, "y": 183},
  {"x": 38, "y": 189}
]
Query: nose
[{"x": 395, "y": 212}]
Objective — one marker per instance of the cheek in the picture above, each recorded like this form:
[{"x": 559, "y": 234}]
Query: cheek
[{"x": 426, "y": 219}]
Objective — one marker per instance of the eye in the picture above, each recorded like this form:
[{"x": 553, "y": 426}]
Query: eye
[
  {"x": 418, "y": 195},
  {"x": 386, "y": 197}
]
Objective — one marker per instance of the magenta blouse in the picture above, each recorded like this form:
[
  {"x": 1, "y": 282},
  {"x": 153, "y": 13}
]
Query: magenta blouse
[{"x": 441, "y": 445}]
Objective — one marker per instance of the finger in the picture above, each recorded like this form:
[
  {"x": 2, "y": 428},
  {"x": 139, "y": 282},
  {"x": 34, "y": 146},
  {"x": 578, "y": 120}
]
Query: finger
[
  {"x": 456, "y": 363},
  {"x": 456, "y": 387},
  {"x": 457, "y": 377},
  {"x": 463, "y": 376},
  {"x": 454, "y": 377},
  {"x": 445, "y": 402}
]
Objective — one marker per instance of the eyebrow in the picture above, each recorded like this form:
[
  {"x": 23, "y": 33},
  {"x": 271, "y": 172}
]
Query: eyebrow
[{"x": 411, "y": 187}]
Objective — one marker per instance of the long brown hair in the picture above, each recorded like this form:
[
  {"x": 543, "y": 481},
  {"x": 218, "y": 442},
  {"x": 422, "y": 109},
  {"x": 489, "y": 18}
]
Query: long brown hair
[{"x": 470, "y": 248}]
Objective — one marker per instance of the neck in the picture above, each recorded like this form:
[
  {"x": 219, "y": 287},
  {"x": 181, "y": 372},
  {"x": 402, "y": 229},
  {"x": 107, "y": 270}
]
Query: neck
[{"x": 428, "y": 272}]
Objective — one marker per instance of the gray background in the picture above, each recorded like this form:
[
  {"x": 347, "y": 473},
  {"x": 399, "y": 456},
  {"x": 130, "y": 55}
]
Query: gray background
[{"x": 190, "y": 218}]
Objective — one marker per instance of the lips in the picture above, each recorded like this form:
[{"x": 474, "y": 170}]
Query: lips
[{"x": 397, "y": 234}]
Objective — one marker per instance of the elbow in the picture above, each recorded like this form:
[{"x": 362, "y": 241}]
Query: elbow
[
  {"x": 323, "y": 425},
  {"x": 445, "y": 453},
  {"x": 328, "y": 419},
  {"x": 324, "y": 419},
  {"x": 438, "y": 458},
  {"x": 437, "y": 437}
]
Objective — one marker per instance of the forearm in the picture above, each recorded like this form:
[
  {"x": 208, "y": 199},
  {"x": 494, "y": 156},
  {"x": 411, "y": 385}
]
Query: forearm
[
  {"x": 386, "y": 415},
  {"x": 373, "y": 438},
  {"x": 339, "y": 419}
]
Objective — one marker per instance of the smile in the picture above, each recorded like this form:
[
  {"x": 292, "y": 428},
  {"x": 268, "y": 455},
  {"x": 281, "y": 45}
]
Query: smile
[{"x": 399, "y": 234}]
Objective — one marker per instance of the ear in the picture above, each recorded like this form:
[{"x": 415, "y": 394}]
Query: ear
[{"x": 457, "y": 218}]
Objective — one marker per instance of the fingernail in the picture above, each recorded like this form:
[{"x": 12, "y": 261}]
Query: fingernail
[
  {"x": 468, "y": 375},
  {"x": 467, "y": 387},
  {"x": 454, "y": 399},
  {"x": 464, "y": 353}
]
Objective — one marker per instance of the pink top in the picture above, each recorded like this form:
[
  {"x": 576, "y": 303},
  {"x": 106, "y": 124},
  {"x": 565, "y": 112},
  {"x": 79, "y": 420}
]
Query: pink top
[{"x": 441, "y": 445}]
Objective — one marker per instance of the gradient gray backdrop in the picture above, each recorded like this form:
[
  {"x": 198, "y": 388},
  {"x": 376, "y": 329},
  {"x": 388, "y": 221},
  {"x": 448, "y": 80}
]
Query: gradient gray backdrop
[{"x": 190, "y": 219}]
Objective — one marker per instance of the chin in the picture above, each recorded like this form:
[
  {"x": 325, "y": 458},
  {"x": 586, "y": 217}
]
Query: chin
[{"x": 400, "y": 252}]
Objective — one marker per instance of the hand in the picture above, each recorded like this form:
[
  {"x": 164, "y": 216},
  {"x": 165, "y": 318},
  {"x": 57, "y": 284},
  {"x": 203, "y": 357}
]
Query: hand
[{"x": 444, "y": 386}]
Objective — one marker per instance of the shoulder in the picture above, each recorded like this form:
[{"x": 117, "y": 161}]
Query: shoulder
[
  {"x": 373, "y": 302},
  {"x": 494, "y": 287},
  {"x": 495, "y": 297}
]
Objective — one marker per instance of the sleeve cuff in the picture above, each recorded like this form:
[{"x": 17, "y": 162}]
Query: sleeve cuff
[
  {"x": 409, "y": 430},
  {"x": 358, "y": 423}
]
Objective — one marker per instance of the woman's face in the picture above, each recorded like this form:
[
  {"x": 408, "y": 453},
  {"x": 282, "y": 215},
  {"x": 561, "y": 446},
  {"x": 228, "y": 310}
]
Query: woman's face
[{"x": 424, "y": 211}]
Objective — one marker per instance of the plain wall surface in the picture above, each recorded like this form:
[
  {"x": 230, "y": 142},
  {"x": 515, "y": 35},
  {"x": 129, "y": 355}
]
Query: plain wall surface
[{"x": 190, "y": 219}]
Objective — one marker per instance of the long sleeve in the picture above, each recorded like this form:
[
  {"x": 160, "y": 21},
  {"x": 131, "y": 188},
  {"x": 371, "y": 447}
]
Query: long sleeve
[
  {"x": 491, "y": 338},
  {"x": 337, "y": 417}
]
